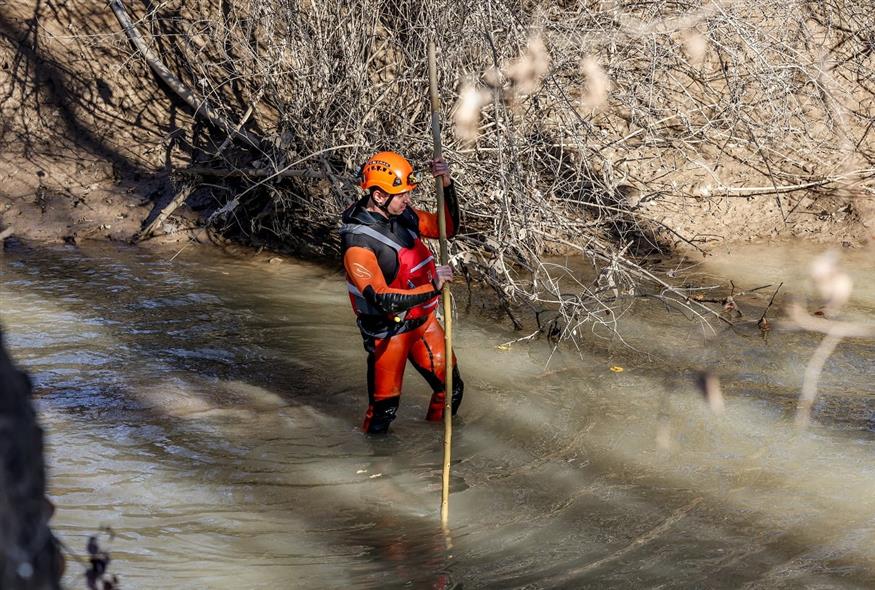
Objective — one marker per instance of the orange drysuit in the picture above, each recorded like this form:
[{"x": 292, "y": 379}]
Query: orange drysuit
[{"x": 389, "y": 272}]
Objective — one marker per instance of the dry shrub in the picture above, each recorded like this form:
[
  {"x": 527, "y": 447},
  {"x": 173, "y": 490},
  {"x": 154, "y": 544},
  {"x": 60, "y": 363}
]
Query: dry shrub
[{"x": 575, "y": 124}]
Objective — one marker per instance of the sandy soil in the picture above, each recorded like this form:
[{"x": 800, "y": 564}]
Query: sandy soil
[{"x": 86, "y": 138}]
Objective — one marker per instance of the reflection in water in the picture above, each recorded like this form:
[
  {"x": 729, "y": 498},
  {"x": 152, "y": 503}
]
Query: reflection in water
[{"x": 207, "y": 409}]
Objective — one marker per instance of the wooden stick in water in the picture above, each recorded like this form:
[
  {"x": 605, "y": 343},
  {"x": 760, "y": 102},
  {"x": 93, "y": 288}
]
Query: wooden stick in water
[{"x": 445, "y": 291}]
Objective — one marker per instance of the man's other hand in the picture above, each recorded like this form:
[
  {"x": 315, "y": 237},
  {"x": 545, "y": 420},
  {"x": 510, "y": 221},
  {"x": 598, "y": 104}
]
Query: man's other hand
[
  {"x": 439, "y": 167},
  {"x": 444, "y": 275}
]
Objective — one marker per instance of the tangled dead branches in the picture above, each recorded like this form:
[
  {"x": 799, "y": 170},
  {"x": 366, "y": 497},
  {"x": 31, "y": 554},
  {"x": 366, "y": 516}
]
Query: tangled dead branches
[{"x": 578, "y": 127}]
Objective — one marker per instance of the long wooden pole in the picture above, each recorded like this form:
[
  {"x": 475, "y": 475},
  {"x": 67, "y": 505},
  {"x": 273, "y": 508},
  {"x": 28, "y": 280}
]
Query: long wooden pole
[{"x": 445, "y": 291}]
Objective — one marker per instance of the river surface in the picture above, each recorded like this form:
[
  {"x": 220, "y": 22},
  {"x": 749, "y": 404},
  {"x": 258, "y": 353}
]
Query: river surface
[{"x": 207, "y": 409}]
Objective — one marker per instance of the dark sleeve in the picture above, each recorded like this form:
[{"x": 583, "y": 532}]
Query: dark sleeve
[
  {"x": 363, "y": 271},
  {"x": 394, "y": 302},
  {"x": 451, "y": 205}
]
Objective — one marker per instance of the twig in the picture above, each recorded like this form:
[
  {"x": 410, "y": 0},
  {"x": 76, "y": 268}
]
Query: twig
[
  {"x": 812, "y": 374},
  {"x": 248, "y": 173},
  {"x": 507, "y": 345},
  {"x": 237, "y": 129},
  {"x": 763, "y": 323},
  {"x": 200, "y": 107},
  {"x": 162, "y": 216},
  {"x": 762, "y": 190},
  {"x": 834, "y": 332}
]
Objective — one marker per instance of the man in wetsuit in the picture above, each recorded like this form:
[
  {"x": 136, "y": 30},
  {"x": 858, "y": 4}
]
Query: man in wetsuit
[{"x": 394, "y": 285}]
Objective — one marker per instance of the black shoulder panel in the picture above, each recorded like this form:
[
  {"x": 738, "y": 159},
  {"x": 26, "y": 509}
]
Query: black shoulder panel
[{"x": 410, "y": 220}]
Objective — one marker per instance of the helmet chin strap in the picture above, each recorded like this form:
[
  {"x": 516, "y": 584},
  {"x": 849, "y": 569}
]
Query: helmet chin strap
[{"x": 385, "y": 206}]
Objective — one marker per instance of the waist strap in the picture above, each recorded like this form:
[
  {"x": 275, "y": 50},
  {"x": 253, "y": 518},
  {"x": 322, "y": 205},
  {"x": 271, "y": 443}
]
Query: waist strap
[{"x": 379, "y": 328}]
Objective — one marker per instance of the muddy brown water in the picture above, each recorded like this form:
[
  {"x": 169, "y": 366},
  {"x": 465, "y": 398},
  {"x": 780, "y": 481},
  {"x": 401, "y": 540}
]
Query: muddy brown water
[{"x": 207, "y": 410}]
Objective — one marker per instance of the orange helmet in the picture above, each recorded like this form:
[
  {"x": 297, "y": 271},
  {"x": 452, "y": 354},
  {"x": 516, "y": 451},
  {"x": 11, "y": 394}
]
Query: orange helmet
[{"x": 389, "y": 172}]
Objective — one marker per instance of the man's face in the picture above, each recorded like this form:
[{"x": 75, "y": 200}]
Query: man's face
[{"x": 398, "y": 204}]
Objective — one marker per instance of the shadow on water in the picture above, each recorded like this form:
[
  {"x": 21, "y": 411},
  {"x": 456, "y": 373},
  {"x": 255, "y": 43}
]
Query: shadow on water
[{"x": 222, "y": 405}]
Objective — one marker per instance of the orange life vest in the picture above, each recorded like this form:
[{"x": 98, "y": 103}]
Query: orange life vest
[{"x": 416, "y": 267}]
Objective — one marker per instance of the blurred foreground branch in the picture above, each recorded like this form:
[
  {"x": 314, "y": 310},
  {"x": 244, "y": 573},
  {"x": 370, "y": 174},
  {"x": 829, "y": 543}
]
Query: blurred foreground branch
[
  {"x": 29, "y": 555},
  {"x": 834, "y": 286}
]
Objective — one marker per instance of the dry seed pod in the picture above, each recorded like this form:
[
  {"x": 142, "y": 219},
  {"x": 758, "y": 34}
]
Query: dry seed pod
[
  {"x": 466, "y": 115},
  {"x": 527, "y": 71},
  {"x": 709, "y": 385},
  {"x": 596, "y": 84},
  {"x": 833, "y": 285},
  {"x": 695, "y": 46}
]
